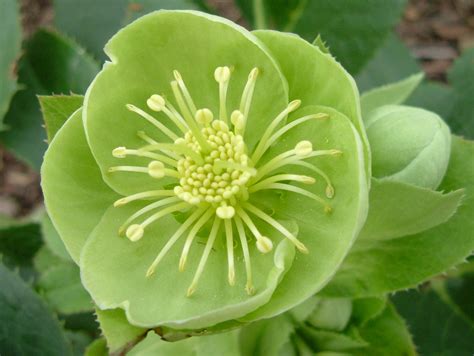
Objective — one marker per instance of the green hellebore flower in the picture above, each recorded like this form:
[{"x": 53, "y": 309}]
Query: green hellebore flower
[
  {"x": 190, "y": 189},
  {"x": 409, "y": 145}
]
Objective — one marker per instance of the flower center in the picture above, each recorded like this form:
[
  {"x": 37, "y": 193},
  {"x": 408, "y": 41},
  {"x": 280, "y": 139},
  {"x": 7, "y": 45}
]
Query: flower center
[
  {"x": 215, "y": 174},
  {"x": 221, "y": 176}
]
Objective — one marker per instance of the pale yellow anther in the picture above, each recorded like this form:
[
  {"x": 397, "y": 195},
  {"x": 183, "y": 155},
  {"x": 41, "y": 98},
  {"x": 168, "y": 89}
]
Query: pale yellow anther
[
  {"x": 119, "y": 152},
  {"x": 204, "y": 116},
  {"x": 177, "y": 76},
  {"x": 156, "y": 102},
  {"x": 156, "y": 169},
  {"x": 222, "y": 74},
  {"x": 264, "y": 244},
  {"x": 293, "y": 105},
  {"x": 307, "y": 180},
  {"x": 134, "y": 232},
  {"x": 225, "y": 212},
  {"x": 253, "y": 74},
  {"x": 330, "y": 191},
  {"x": 220, "y": 126},
  {"x": 237, "y": 119},
  {"x": 303, "y": 148}
]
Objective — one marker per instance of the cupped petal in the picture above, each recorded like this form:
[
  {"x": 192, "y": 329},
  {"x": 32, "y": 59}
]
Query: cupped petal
[
  {"x": 113, "y": 271},
  {"x": 316, "y": 78},
  {"x": 144, "y": 56},
  {"x": 327, "y": 236},
  {"x": 75, "y": 195}
]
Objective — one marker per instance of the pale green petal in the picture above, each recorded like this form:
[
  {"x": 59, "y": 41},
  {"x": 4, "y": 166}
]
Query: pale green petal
[
  {"x": 144, "y": 55},
  {"x": 113, "y": 271},
  {"x": 74, "y": 193},
  {"x": 316, "y": 78},
  {"x": 328, "y": 237}
]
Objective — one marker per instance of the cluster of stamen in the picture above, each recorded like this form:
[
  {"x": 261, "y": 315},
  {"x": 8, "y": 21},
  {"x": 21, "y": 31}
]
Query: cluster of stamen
[
  {"x": 220, "y": 177},
  {"x": 215, "y": 174}
]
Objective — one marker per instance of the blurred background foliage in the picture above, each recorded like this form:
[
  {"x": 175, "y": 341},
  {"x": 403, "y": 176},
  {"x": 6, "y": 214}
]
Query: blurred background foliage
[{"x": 55, "y": 47}]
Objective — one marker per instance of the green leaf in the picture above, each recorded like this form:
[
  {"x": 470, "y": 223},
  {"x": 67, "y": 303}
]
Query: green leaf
[
  {"x": 220, "y": 344},
  {"x": 392, "y": 54},
  {"x": 389, "y": 94},
  {"x": 387, "y": 335},
  {"x": 460, "y": 288},
  {"x": 78, "y": 341},
  {"x": 116, "y": 329},
  {"x": 398, "y": 209},
  {"x": 266, "y": 337},
  {"x": 51, "y": 64},
  {"x": 53, "y": 240},
  {"x": 437, "y": 328},
  {"x": 97, "y": 348},
  {"x": 61, "y": 287},
  {"x": 461, "y": 76},
  {"x": 72, "y": 173},
  {"x": 45, "y": 259},
  {"x": 26, "y": 325},
  {"x": 57, "y": 109},
  {"x": 376, "y": 267},
  {"x": 352, "y": 29},
  {"x": 10, "y": 40},
  {"x": 433, "y": 96},
  {"x": 331, "y": 314},
  {"x": 324, "y": 340},
  {"x": 94, "y": 22},
  {"x": 453, "y": 103},
  {"x": 19, "y": 242}
]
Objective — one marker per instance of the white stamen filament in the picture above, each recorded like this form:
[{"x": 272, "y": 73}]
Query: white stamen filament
[
  {"x": 329, "y": 187},
  {"x": 247, "y": 96},
  {"x": 122, "y": 152},
  {"x": 205, "y": 255},
  {"x": 173, "y": 239},
  {"x": 292, "y": 188},
  {"x": 190, "y": 120},
  {"x": 155, "y": 169},
  {"x": 222, "y": 76},
  {"x": 260, "y": 150},
  {"x": 145, "y": 210},
  {"x": 230, "y": 251},
  {"x": 185, "y": 91},
  {"x": 282, "y": 160},
  {"x": 148, "y": 139},
  {"x": 279, "y": 178},
  {"x": 163, "y": 213},
  {"x": 245, "y": 250},
  {"x": 143, "y": 195},
  {"x": 267, "y": 218},
  {"x": 171, "y": 135},
  {"x": 288, "y": 127},
  {"x": 189, "y": 240},
  {"x": 264, "y": 244},
  {"x": 185, "y": 150},
  {"x": 135, "y": 232},
  {"x": 157, "y": 103}
]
